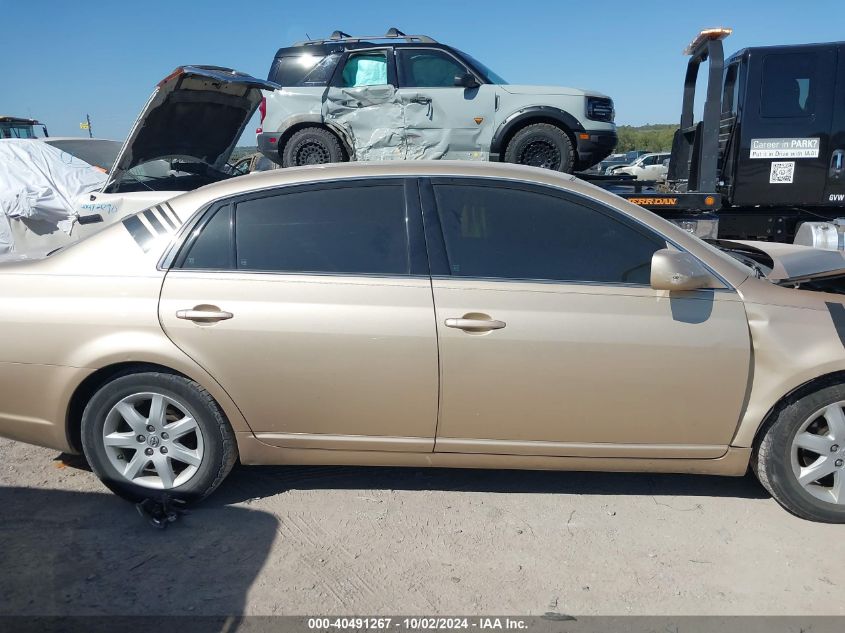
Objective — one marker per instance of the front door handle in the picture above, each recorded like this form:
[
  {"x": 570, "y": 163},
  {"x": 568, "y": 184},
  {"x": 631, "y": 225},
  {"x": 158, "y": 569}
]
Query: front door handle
[
  {"x": 421, "y": 99},
  {"x": 204, "y": 314},
  {"x": 480, "y": 323}
]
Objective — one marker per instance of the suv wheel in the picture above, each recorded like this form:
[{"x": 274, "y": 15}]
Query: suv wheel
[
  {"x": 800, "y": 458},
  {"x": 541, "y": 145},
  {"x": 148, "y": 434},
  {"x": 312, "y": 146}
]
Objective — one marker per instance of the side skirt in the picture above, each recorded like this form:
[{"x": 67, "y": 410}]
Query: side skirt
[{"x": 253, "y": 452}]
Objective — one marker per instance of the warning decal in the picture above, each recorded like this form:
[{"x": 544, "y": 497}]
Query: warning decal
[
  {"x": 785, "y": 148},
  {"x": 782, "y": 173}
]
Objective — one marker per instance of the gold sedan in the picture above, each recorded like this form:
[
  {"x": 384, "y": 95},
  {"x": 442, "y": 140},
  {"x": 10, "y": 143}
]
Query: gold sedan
[{"x": 423, "y": 314}]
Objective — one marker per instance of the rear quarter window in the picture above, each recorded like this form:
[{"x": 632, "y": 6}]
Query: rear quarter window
[{"x": 303, "y": 69}]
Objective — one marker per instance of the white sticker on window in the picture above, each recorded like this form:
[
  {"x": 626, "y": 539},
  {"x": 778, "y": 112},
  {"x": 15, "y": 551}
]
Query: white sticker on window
[
  {"x": 782, "y": 173},
  {"x": 784, "y": 148}
]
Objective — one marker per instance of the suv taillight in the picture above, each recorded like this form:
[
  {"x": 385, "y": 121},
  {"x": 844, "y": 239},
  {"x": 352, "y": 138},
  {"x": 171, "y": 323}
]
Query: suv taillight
[{"x": 262, "y": 108}]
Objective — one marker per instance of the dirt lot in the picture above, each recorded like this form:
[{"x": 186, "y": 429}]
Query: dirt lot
[{"x": 295, "y": 540}]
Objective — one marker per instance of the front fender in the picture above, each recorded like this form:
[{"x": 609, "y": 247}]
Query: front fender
[{"x": 521, "y": 117}]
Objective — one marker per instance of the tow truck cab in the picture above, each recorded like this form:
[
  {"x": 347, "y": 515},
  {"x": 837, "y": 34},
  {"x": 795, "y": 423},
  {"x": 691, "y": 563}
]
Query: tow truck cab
[
  {"x": 19, "y": 127},
  {"x": 771, "y": 143}
]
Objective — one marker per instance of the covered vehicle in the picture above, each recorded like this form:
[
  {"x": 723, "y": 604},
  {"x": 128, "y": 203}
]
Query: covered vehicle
[
  {"x": 39, "y": 186},
  {"x": 422, "y": 314},
  {"x": 181, "y": 140},
  {"x": 99, "y": 152}
]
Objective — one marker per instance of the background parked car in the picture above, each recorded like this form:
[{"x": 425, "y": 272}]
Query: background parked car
[
  {"x": 647, "y": 167},
  {"x": 398, "y": 96}
]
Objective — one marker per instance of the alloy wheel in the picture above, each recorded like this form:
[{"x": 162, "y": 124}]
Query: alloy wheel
[
  {"x": 153, "y": 440},
  {"x": 818, "y": 454}
]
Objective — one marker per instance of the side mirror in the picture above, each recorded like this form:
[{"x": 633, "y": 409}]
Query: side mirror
[
  {"x": 467, "y": 80},
  {"x": 675, "y": 270}
]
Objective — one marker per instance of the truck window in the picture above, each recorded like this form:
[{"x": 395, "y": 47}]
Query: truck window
[
  {"x": 788, "y": 85},
  {"x": 730, "y": 93}
]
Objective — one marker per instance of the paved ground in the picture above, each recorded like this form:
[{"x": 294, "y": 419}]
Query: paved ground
[{"x": 296, "y": 540}]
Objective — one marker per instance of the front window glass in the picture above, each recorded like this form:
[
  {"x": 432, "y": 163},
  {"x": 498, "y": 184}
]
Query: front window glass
[
  {"x": 518, "y": 234},
  {"x": 428, "y": 69},
  {"x": 365, "y": 69},
  {"x": 485, "y": 70}
]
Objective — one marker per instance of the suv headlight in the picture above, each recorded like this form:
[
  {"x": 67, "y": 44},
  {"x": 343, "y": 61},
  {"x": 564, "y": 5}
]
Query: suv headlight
[{"x": 600, "y": 109}]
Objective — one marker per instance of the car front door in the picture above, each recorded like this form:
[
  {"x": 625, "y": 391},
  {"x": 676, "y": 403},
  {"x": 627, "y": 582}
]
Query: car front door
[
  {"x": 552, "y": 342},
  {"x": 443, "y": 120},
  {"x": 363, "y": 101},
  {"x": 311, "y": 306}
]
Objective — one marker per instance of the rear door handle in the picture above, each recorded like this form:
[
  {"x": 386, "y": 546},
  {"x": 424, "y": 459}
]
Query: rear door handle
[
  {"x": 836, "y": 164},
  {"x": 204, "y": 314},
  {"x": 475, "y": 325}
]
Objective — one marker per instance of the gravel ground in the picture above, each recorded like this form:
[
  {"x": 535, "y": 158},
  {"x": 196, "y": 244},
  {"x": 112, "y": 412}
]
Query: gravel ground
[{"x": 339, "y": 540}]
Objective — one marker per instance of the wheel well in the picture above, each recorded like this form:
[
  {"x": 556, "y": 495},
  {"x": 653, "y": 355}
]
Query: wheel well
[
  {"x": 88, "y": 387},
  {"x": 820, "y": 382},
  {"x": 293, "y": 129},
  {"x": 532, "y": 121}
]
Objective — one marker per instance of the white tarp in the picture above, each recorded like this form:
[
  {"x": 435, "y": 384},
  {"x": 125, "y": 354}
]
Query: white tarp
[{"x": 39, "y": 182}]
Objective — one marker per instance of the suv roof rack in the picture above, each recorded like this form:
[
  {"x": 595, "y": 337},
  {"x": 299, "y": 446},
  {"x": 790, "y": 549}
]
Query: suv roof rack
[{"x": 392, "y": 34}]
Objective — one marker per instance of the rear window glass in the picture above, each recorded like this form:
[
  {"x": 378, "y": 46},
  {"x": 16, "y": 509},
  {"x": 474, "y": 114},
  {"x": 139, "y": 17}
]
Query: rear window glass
[
  {"x": 303, "y": 69},
  {"x": 789, "y": 85}
]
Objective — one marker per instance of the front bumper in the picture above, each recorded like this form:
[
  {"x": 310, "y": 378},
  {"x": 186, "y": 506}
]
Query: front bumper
[{"x": 594, "y": 146}]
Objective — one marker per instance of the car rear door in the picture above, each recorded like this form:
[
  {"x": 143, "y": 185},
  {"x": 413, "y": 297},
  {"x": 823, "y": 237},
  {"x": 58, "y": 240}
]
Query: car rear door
[
  {"x": 311, "y": 305},
  {"x": 552, "y": 342},
  {"x": 443, "y": 120}
]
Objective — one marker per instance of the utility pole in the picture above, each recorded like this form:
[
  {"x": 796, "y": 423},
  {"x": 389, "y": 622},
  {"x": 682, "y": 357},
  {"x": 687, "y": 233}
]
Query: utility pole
[{"x": 90, "y": 131}]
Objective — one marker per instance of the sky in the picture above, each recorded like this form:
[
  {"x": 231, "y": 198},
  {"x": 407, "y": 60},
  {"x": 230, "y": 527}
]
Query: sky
[{"x": 61, "y": 60}]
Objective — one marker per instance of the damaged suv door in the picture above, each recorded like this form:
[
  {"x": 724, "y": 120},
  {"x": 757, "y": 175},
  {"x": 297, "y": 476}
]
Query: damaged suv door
[
  {"x": 448, "y": 109},
  {"x": 362, "y": 100}
]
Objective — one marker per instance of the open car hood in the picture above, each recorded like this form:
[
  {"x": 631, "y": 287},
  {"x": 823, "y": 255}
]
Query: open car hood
[
  {"x": 790, "y": 263},
  {"x": 196, "y": 112}
]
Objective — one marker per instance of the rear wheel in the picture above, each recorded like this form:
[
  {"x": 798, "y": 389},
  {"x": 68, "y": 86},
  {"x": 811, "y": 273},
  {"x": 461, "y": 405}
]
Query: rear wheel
[
  {"x": 541, "y": 145},
  {"x": 150, "y": 434},
  {"x": 312, "y": 146},
  {"x": 800, "y": 458}
]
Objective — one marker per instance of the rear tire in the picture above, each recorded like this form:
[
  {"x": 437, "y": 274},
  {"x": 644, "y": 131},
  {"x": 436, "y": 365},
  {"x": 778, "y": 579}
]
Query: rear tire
[
  {"x": 312, "y": 146},
  {"x": 542, "y": 145},
  {"x": 800, "y": 456},
  {"x": 147, "y": 435}
]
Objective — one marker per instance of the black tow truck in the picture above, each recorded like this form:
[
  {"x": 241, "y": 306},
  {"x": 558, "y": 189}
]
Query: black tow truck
[{"x": 767, "y": 159}]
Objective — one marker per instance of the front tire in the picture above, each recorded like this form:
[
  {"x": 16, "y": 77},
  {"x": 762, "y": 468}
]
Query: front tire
[
  {"x": 542, "y": 145},
  {"x": 312, "y": 146},
  {"x": 150, "y": 434},
  {"x": 800, "y": 456}
]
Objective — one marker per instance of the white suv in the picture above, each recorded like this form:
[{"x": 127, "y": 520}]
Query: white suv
[{"x": 400, "y": 96}]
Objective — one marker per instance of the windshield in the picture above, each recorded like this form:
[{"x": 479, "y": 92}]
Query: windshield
[
  {"x": 19, "y": 130},
  {"x": 485, "y": 70},
  {"x": 169, "y": 173}
]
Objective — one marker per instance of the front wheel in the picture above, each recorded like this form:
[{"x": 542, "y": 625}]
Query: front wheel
[
  {"x": 150, "y": 434},
  {"x": 800, "y": 458},
  {"x": 542, "y": 145}
]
